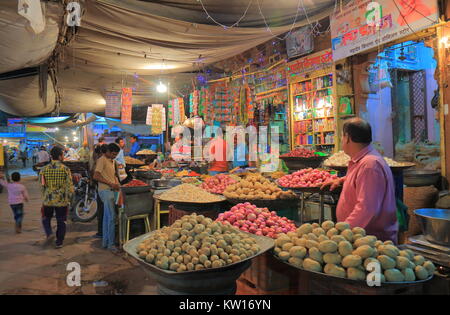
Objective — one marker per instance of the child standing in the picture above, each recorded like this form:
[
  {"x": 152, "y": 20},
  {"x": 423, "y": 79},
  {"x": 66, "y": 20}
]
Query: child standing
[{"x": 17, "y": 194}]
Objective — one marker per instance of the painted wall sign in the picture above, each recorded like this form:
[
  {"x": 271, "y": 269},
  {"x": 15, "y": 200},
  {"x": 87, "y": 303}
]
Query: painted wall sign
[{"x": 364, "y": 24}]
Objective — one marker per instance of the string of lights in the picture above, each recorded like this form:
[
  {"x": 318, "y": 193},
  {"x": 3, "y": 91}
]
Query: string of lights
[
  {"x": 222, "y": 25},
  {"x": 268, "y": 27}
]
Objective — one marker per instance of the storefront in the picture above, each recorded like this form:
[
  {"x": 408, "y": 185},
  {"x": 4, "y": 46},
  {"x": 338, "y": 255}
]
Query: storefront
[{"x": 313, "y": 110}]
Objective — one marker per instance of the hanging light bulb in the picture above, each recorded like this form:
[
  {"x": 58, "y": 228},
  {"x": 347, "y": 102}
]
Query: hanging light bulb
[{"x": 161, "y": 88}]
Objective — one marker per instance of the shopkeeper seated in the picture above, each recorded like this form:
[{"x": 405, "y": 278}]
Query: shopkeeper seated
[
  {"x": 368, "y": 195},
  {"x": 135, "y": 147}
]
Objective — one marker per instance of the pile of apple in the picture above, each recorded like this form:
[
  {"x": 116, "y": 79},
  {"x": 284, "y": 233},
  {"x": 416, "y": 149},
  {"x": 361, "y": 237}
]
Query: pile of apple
[
  {"x": 259, "y": 221},
  {"x": 300, "y": 152},
  {"x": 306, "y": 178},
  {"x": 218, "y": 183}
]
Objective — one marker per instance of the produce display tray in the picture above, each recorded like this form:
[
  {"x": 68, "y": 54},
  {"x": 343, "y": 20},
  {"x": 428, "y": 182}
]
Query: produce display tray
[
  {"x": 135, "y": 165},
  {"x": 265, "y": 243},
  {"x": 310, "y": 189},
  {"x": 192, "y": 203},
  {"x": 351, "y": 281},
  {"x": 135, "y": 190},
  {"x": 394, "y": 168},
  {"x": 298, "y": 163}
]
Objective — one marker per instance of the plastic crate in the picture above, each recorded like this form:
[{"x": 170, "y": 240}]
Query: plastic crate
[{"x": 267, "y": 273}]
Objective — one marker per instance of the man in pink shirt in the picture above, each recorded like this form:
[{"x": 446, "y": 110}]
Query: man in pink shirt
[{"x": 368, "y": 195}]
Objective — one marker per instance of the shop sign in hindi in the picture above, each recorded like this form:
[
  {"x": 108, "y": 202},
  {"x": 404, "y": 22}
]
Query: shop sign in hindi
[
  {"x": 127, "y": 105},
  {"x": 112, "y": 108},
  {"x": 364, "y": 24},
  {"x": 314, "y": 62}
]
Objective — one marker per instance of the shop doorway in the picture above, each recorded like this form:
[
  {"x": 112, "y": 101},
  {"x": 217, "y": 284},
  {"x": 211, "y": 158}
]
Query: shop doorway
[
  {"x": 403, "y": 100},
  {"x": 409, "y": 106}
]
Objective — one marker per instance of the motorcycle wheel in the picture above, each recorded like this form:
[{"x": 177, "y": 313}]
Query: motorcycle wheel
[{"x": 84, "y": 213}]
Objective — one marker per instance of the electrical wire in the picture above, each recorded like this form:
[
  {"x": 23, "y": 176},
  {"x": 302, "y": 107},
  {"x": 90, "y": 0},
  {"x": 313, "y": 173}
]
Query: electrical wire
[
  {"x": 222, "y": 25},
  {"x": 404, "y": 18},
  {"x": 268, "y": 27}
]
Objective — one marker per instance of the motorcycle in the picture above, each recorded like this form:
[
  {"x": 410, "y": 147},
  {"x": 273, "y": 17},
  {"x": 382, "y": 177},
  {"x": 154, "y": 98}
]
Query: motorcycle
[{"x": 84, "y": 202}]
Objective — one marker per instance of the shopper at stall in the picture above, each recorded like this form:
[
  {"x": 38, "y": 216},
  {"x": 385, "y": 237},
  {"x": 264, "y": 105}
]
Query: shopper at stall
[
  {"x": 120, "y": 159},
  {"x": 368, "y": 197},
  {"x": 57, "y": 189},
  {"x": 218, "y": 155},
  {"x": 99, "y": 151},
  {"x": 108, "y": 186},
  {"x": 17, "y": 196},
  {"x": 135, "y": 146}
]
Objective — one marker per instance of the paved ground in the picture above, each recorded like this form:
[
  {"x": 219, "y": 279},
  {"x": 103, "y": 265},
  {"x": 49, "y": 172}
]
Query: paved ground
[{"x": 28, "y": 268}]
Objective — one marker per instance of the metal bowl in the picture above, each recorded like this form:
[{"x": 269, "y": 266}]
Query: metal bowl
[
  {"x": 418, "y": 178},
  {"x": 435, "y": 225},
  {"x": 299, "y": 163},
  {"x": 214, "y": 281},
  {"x": 160, "y": 183}
]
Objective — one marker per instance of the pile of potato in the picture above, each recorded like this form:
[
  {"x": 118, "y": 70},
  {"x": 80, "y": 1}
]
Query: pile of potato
[
  {"x": 195, "y": 242},
  {"x": 337, "y": 250},
  {"x": 256, "y": 187}
]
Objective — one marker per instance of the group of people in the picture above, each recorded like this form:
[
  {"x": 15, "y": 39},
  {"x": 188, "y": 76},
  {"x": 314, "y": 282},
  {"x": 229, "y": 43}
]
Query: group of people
[
  {"x": 105, "y": 163},
  {"x": 367, "y": 199}
]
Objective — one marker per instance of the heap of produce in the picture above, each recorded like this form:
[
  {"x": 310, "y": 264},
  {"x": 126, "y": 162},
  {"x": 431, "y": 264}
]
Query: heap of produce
[
  {"x": 196, "y": 243},
  {"x": 133, "y": 161},
  {"x": 306, "y": 178},
  {"x": 217, "y": 184},
  {"x": 189, "y": 193},
  {"x": 393, "y": 163},
  {"x": 191, "y": 180},
  {"x": 340, "y": 159},
  {"x": 256, "y": 187},
  {"x": 277, "y": 175},
  {"x": 186, "y": 173},
  {"x": 135, "y": 183},
  {"x": 259, "y": 221},
  {"x": 337, "y": 159},
  {"x": 146, "y": 152},
  {"x": 337, "y": 250},
  {"x": 300, "y": 152},
  {"x": 164, "y": 171}
]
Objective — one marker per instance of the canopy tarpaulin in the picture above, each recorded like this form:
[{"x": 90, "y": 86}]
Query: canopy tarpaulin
[{"x": 121, "y": 39}]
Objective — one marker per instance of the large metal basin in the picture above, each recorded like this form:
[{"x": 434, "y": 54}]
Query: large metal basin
[
  {"x": 214, "y": 281},
  {"x": 418, "y": 178},
  {"x": 435, "y": 225}
]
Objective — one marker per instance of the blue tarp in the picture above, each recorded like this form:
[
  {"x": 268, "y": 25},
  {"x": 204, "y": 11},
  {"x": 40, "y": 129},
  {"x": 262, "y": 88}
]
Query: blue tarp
[{"x": 137, "y": 129}]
